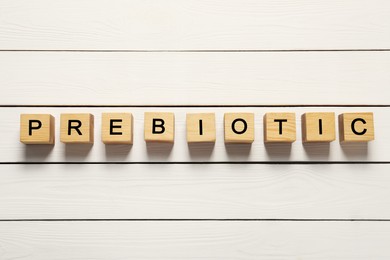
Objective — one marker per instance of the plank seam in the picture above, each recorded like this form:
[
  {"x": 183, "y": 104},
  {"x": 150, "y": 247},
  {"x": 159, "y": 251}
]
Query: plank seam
[
  {"x": 201, "y": 50},
  {"x": 199, "y": 220},
  {"x": 185, "y": 106},
  {"x": 209, "y": 162}
]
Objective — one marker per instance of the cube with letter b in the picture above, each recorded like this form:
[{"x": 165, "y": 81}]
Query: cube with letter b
[
  {"x": 117, "y": 128},
  {"x": 159, "y": 127},
  {"x": 37, "y": 129},
  {"x": 76, "y": 128},
  {"x": 356, "y": 127}
]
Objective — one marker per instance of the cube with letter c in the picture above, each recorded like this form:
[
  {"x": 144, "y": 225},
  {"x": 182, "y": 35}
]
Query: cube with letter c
[
  {"x": 356, "y": 127},
  {"x": 37, "y": 129},
  {"x": 76, "y": 128}
]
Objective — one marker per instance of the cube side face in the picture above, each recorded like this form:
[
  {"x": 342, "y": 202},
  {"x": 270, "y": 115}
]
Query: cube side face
[
  {"x": 200, "y": 128},
  {"x": 318, "y": 127},
  {"x": 42, "y": 129},
  {"x": 357, "y": 127},
  {"x": 239, "y": 127},
  {"x": 77, "y": 128},
  {"x": 117, "y": 128},
  {"x": 159, "y": 127},
  {"x": 279, "y": 128}
]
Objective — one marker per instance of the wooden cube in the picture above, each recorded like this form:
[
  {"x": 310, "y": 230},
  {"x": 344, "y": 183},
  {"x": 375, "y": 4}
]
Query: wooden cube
[
  {"x": 239, "y": 127},
  {"x": 201, "y": 128},
  {"x": 279, "y": 128},
  {"x": 318, "y": 127},
  {"x": 37, "y": 129},
  {"x": 76, "y": 128},
  {"x": 356, "y": 127},
  {"x": 159, "y": 127},
  {"x": 117, "y": 128}
]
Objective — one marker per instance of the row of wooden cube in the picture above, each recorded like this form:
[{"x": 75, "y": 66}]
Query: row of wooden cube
[{"x": 117, "y": 128}]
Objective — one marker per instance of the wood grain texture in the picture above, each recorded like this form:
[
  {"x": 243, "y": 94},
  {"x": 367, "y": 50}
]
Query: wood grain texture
[
  {"x": 238, "y": 78},
  {"x": 194, "y": 24},
  {"x": 360, "y": 191},
  {"x": 12, "y": 150},
  {"x": 194, "y": 240}
]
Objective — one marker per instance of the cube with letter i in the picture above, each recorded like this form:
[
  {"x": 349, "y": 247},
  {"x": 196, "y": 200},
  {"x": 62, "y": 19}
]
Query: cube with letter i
[
  {"x": 201, "y": 128},
  {"x": 318, "y": 127}
]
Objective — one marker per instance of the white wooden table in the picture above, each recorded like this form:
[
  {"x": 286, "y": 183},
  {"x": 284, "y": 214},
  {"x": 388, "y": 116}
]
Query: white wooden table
[{"x": 201, "y": 202}]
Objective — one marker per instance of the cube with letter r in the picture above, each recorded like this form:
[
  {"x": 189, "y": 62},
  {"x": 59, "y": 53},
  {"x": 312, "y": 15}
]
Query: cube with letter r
[{"x": 76, "y": 128}]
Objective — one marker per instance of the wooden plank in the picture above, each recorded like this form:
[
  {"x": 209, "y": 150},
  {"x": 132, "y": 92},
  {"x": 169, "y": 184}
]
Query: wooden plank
[
  {"x": 194, "y": 240},
  {"x": 194, "y": 24},
  {"x": 189, "y": 78},
  {"x": 12, "y": 150},
  {"x": 195, "y": 191}
]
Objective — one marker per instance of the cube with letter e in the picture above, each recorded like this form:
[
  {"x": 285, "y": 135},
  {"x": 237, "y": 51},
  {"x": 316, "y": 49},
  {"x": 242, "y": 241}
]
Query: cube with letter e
[
  {"x": 117, "y": 128},
  {"x": 37, "y": 129}
]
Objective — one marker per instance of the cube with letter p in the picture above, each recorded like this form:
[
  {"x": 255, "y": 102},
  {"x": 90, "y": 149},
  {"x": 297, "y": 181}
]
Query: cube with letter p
[{"x": 37, "y": 129}]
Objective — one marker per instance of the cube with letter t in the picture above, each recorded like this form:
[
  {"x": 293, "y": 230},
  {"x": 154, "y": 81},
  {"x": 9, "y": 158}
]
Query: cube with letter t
[{"x": 279, "y": 128}]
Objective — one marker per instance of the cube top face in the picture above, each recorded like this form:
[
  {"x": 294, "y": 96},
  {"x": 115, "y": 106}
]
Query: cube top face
[
  {"x": 201, "y": 128},
  {"x": 159, "y": 127},
  {"x": 356, "y": 127},
  {"x": 37, "y": 129},
  {"x": 239, "y": 127},
  {"x": 279, "y": 128},
  {"x": 117, "y": 128},
  {"x": 76, "y": 128},
  {"x": 318, "y": 127}
]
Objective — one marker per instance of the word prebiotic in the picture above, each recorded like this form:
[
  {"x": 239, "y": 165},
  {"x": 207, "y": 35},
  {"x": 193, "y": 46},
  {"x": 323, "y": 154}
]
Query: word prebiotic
[{"x": 117, "y": 128}]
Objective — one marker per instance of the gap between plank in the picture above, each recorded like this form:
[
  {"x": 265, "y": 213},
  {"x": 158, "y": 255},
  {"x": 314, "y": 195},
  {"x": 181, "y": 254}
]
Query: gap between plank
[
  {"x": 184, "y": 106},
  {"x": 203, "y": 50},
  {"x": 211, "y": 162},
  {"x": 200, "y": 220}
]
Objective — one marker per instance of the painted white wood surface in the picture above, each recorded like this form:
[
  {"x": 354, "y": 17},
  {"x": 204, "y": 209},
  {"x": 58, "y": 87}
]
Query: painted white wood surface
[
  {"x": 195, "y": 240},
  {"x": 194, "y": 78},
  {"x": 194, "y": 24},
  {"x": 360, "y": 191},
  {"x": 225, "y": 77},
  {"x": 13, "y": 150}
]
